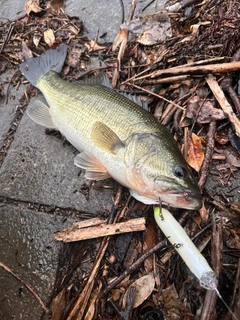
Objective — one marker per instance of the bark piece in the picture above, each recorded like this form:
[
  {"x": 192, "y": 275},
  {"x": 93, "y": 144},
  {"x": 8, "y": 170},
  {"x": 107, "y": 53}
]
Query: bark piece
[{"x": 81, "y": 231}]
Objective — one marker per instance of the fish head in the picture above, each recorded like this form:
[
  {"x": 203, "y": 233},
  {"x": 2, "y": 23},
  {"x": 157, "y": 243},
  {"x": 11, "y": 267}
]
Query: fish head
[
  {"x": 161, "y": 173},
  {"x": 178, "y": 188}
]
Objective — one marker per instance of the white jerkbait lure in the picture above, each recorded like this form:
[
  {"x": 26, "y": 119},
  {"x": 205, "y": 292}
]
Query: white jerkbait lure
[{"x": 188, "y": 251}]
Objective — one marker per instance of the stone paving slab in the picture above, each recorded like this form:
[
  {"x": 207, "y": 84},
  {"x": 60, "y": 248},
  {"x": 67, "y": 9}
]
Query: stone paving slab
[
  {"x": 39, "y": 168},
  {"x": 104, "y": 18},
  {"x": 7, "y": 111},
  {"x": 32, "y": 253}
]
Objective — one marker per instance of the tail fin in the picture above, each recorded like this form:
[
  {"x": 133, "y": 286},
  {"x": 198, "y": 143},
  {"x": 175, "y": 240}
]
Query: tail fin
[{"x": 53, "y": 59}]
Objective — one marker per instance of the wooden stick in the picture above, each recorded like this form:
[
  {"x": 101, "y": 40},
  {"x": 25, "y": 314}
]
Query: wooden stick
[
  {"x": 27, "y": 286},
  {"x": 76, "y": 234},
  {"x": 227, "y": 109},
  {"x": 156, "y": 95},
  {"x": 197, "y": 70}
]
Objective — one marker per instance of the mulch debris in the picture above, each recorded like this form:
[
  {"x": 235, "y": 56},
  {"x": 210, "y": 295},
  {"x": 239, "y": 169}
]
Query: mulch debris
[{"x": 190, "y": 81}]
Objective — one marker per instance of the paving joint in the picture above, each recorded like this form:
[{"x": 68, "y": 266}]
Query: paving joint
[{"x": 49, "y": 209}]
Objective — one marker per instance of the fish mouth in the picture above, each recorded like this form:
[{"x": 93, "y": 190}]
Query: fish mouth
[{"x": 187, "y": 199}]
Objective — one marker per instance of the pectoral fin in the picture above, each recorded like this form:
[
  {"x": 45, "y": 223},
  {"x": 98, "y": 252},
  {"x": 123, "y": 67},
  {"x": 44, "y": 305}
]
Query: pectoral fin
[
  {"x": 105, "y": 138},
  {"x": 94, "y": 169},
  {"x": 40, "y": 113}
]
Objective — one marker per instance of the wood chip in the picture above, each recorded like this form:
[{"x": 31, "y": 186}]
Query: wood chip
[{"x": 77, "y": 233}]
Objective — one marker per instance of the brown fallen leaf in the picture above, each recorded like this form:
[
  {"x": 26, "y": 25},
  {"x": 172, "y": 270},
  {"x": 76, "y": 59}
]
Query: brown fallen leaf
[
  {"x": 26, "y": 52},
  {"x": 204, "y": 213},
  {"x": 49, "y": 37},
  {"x": 150, "y": 240},
  {"x": 92, "y": 306},
  {"x": 57, "y": 305},
  {"x": 36, "y": 38},
  {"x": 144, "y": 287},
  {"x": 204, "y": 111},
  {"x": 93, "y": 46},
  {"x": 232, "y": 237},
  {"x": 195, "y": 152},
  {"x": 222, "y": 136},
  {"x": 173, "y": 306},
  {"x": 32, "y": 5},
  {"x": 232, "y": 156},
  {"x": 120, "y": 38}
]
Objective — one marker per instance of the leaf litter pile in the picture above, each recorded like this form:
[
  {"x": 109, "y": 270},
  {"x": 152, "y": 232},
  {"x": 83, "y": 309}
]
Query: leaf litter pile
[{"x": 183, "y": 62}]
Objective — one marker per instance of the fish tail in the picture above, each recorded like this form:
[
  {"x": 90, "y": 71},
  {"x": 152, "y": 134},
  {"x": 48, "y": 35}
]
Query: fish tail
[{"x": 34, "y": 68}]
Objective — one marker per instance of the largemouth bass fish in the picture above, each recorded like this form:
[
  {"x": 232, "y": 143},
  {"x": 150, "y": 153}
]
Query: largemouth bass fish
[{"x": 117, "y": 138}]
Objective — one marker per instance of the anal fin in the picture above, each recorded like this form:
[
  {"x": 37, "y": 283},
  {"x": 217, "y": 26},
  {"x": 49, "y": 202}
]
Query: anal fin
[
  {"x": 40, "y": 113},
  {"x": 94, "y": 169}
]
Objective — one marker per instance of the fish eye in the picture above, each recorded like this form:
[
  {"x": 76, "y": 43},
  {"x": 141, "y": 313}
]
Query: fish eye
[{"x": 179, "y": 171}]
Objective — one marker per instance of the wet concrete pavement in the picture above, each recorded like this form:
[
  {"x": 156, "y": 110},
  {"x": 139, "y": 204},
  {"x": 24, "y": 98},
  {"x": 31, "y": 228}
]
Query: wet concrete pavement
[{"x": 37, "y": 171}]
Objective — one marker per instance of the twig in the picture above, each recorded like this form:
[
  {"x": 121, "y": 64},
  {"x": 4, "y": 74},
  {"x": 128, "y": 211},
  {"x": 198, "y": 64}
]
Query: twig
[
  {"x": 27, "y": 286},
  {"x": 166, "y": 80},
  {"x": 197, "y": 70},
  {"x": 227, "y": 87},
  {"x": 122, "y": 10},
  {"x": 235, "y": 292},
  {"x": 124, "y": 314},
  {"x": 162, "y": 55},
  {"x": 132, "y": 10},
  {"x": 157, "y": 95},
  {"x": 80, "y": 303},
  {"x": 227, "y": 109},
  {"x": 6, "y": 99},
  {"x": 208, "y": 154},
  {"x": 209, "y": 310},
  {"x": 10, "y": 30},
  {"x": 132, "y": 268}
]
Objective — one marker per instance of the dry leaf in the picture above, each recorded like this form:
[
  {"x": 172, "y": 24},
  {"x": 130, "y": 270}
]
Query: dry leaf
[
  {"x": 120, "y": 37},
  {"x": 144, "y": 287},
  {"x": 58, "y": 305},
  {"x": 49, "y": 37},
  {"x": 222, "y": 136},
  {"x": 26, "y": 52},
  {"x": 92, "y": 306},
  {"x": 93, "y": 46},
  {"x": 36, "y": 39},
  {"x": 195, "y": 152},
  {"x": 204, "y": 111},
  {"x": 74, "y": 56},
  {"x": 203, "y": 213},
  {"x": 32, "y": 5},
  {"x": 150, "y": 240},
  {"x": 232, "y": 237},
  {"x": 233, "y": 157}
]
